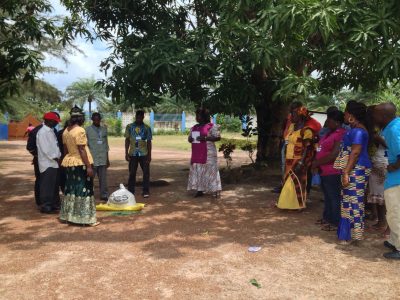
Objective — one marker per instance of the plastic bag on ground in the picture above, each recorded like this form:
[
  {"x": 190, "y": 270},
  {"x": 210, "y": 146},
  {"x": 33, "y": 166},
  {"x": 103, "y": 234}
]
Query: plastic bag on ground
[{"x": 121, "y": 198}]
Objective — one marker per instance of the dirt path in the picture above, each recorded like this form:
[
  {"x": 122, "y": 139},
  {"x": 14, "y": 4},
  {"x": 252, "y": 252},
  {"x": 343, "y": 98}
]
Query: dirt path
[{"x": 178, "y": 247}]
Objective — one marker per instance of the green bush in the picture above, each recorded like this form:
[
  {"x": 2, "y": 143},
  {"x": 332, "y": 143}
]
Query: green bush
[
  {"x": 239, "y": 143},
  {"x": 227, "y": 149},
  {"x": 118, "y": 127},
  {"x": 114, "y": 126},
  {"x": 228, "y": 123}
]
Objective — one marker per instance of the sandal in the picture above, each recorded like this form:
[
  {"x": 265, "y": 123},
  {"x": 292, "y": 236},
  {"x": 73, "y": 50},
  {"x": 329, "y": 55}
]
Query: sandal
[
  {"x": 199, "y": 194},
  {"x": 320, "y": 222},
  {"x": 329, "y": 227},
  {"x": 379, "y": 227}
]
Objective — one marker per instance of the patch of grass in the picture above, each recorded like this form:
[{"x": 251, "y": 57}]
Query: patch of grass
[
  {"x": 116, "y": 141},
  {"x": 179, "y": 142},
  {"x": 173, "y": 142}
]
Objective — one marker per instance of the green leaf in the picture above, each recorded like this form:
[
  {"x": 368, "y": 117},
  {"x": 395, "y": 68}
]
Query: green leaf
[{"x": 255, "y": 283}]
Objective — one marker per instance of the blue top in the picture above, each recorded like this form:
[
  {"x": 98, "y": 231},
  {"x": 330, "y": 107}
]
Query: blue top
[
  {"x": 358, "y": 136},
  {"x": 391, "y": 133}
]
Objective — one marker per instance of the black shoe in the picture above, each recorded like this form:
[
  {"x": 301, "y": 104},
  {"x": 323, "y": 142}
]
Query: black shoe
[
  {"x": 48, "y": 211},
  {"x": 199, "y": 194},
  {"x": 392, "y": 255},
  {"x": 389, "y": 246}
]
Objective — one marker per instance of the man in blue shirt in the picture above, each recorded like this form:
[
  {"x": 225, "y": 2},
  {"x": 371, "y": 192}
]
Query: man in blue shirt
[
  {"x": 385, "y": 117},
  {"x": 138, "y": 145}
]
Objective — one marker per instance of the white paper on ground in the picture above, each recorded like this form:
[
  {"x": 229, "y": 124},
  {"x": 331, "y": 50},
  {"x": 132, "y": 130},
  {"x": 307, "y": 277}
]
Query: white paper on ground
[{"x": 254, "y": 248}]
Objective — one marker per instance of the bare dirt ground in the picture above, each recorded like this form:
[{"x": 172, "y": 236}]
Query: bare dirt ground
[{"x": 179, "y": 247}]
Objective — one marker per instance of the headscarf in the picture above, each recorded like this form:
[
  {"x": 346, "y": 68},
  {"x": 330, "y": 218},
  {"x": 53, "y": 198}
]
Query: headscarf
[
  {"x": 76, "y": 111},
  {"x": 303, "y": 111}
]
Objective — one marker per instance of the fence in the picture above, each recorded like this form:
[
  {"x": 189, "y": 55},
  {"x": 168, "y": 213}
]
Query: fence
[
  {"x": 172, "y": 122},
  {"x": 3, "y": 132}
]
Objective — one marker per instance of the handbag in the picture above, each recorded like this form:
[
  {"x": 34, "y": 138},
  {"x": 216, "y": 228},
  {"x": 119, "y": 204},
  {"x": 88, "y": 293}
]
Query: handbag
[
  {"x": 316, "y": 180},
  {"x": 342, "y": 159}
]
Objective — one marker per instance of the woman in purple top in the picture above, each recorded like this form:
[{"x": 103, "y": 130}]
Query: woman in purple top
[
  {"x": 355, "y": 164},
  {"x": 327, "y": 151}
]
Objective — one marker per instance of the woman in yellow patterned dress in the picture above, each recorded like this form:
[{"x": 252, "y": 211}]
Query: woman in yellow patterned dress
[
  {"x": 78, "y": 205},
  {"x": 299, "y": 154}
]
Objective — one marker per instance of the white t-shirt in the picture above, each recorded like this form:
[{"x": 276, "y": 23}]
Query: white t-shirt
[{"x": 46, "y": 142}]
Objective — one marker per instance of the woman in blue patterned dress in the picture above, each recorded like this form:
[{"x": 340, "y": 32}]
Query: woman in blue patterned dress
[{"x": 356, "y": 167}]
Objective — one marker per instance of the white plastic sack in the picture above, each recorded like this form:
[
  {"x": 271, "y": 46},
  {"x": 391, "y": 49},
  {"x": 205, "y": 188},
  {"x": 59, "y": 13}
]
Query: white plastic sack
[{"x": 121, "y": 198}]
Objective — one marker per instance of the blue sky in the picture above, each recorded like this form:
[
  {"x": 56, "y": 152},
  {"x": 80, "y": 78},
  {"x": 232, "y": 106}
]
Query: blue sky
[{"x": 81, "y": 65}]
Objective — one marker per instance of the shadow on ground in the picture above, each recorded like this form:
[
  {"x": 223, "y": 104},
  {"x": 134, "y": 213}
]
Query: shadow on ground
[{"x": 173, "y": 222}]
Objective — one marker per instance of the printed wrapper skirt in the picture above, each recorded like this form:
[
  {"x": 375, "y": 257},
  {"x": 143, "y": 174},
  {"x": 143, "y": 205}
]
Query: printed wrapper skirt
[
  {"x": 294, "y": 191},
  {"x": 78, "y": 205},
  {"x": 351, "y": 225},
  {"x": 375, "y": 186},
  {"x": 206, "y": 177}
]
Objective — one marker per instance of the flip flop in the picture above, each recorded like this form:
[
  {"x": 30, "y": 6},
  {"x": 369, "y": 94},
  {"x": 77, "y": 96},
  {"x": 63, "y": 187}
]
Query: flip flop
[
  {"x": 320, "y": 222},
  {"x": 329, "y": 228}
]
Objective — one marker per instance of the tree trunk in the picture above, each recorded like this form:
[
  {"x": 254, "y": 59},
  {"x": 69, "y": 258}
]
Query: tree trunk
[{"x": 270, "y": 117}]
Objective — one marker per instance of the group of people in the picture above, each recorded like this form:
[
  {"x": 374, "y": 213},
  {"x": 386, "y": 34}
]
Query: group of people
[
  {"x": 69, "y": 159},
  {"x": 356, "y": 153}
]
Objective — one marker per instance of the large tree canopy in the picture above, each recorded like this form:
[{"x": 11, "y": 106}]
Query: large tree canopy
[
  {"x": 36, "y": 99},
  {"x": 27, "y": 32},
  {"x": 233, "y": 55}
]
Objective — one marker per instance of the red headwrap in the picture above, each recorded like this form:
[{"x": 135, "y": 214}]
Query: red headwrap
[
  {"x": 303, "y": 111},
  {"x": 51, "y": 116}
]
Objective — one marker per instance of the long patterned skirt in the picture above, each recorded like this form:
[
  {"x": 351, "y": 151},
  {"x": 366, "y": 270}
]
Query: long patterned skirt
[
  {"x": 206, "y": 177},
  {"x": 375, "y": 186},
  {"x": 294, "y": 191},
  {"x": 351, "y": 225},
  {"x": 78, "y": 205}
]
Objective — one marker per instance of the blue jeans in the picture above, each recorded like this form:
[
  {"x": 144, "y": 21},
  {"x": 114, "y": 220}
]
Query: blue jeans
[{"x": 332, "y": 188}]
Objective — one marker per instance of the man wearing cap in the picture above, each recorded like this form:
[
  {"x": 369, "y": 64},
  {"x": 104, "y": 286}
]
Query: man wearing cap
[
  {"x": 32, "y": 148},
  {"x": 48, "y": 159}
]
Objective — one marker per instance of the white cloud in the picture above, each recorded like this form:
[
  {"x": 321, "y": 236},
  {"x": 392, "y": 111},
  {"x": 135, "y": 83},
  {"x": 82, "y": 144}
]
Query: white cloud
[{"x": 81, "y": 65}]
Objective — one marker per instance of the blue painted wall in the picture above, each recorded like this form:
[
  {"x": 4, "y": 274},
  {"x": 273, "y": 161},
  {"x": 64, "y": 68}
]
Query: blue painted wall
[{"x": 3, "y": 132}]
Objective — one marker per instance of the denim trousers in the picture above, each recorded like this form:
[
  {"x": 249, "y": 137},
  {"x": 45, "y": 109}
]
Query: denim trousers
[{"x": 332, "y": 188}]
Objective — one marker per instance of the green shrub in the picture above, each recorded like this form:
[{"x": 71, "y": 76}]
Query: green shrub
[
  {"x": 228, "y": 123},
  {"x": 239, "y": 143},
  {"x": 227, "y": 149},
  {"x": 118, "y": 128},
  {"x": 114, "y": 126},
  {"x": 248, "y": 131}
]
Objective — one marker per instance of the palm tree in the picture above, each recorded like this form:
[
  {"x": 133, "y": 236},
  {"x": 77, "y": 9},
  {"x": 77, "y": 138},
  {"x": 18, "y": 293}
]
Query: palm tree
[
  {"x": 174, "y": 105},
  {"x": 87, "y": 90},
  {"x": 321, "y": 102}
]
